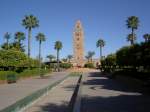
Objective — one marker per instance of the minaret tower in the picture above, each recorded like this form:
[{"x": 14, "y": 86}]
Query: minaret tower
[{"x": 78, "y": 40}]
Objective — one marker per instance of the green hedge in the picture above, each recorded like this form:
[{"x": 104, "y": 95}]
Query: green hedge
[
  {"x": 29, "y": 73},
  {"x": 3, "y": 74},
  {"x": 66, "y": 65},
  {"x": 11, "y": 60},
  {"x": 132, "y": 57},
  {"x": 12, "y": 78},
  {"x": 89, "y": 65},
  {"x": 25, "y": 73},
  {"x": 33, "y": 72},
  {"x": 135, "y": 55}
]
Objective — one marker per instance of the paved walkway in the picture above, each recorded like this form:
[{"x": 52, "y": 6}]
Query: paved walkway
[
  {"x": 10, "y": 93},
  {"x": 57, "y": 99},
  {"x": 100, "y": 94}
]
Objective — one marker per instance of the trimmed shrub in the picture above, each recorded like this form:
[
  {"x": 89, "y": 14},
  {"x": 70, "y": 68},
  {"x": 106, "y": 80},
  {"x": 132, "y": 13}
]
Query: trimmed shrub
[
  {"x": 10, "y": 75},
  {"x": 29, "y": 73},
  {"x": 89, "y": 65},
  {"x": 33, "y": 72},
  {"x": 109, "y": 63},
  {"x": 66, "y": 65},
  {"x": 3, "y": 74},
  {"x": 11, "y": 78},
  {"x": 43, "y": 72},
  {"x": 136, "y": 55},
  {"x": 133, "y": 58},
  {"x": 12, "y": 60}
]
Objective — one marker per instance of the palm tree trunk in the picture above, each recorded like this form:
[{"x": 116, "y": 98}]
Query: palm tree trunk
[
  {"x": 7, "y": 43},
  {"x": 146, "y": 39},
  {"x": 29, "y": 42},
  {"x": 50, "y": 60},
  {"x": 57, "y": 60},
  {"x": 100, "y": 53},
  {"x": 132, "y": 42},
  {"x": 19, "y": 42},
  {"x": 40, "y": 57},
  {"x": 68, "y": 60}
]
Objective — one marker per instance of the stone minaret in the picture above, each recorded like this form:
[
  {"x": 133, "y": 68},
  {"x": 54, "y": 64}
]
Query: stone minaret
[{"x": 78, "y": 40}]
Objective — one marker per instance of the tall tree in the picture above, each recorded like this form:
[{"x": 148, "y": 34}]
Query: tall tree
[
  {"x": 41, "y": 38},
  {"x": 51, "y": 57},
  {"x": 30, "y": 22},
  {"x": 133, "y": 23},
  {"x": 100, "y": 43},
  {"x": 87, "y": 57},
  {"x": 7, "y": 36},
  {"x": 131, "y": 38},
  {"x": 91, "y": 54},
  {"x": 58, "y": 46},
  {"x": 69, "y": 57},
  {"x": 19, "y": 36},
  {"x": 146, "y": 37}
]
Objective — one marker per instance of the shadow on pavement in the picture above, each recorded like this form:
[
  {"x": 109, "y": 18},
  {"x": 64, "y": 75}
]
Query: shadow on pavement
[
  {"x": 96, "y": 74},
  {"x": 107, "y": 95},
  {"x": 70, "y": 87},
  {"x": 122, "y": 103},
  {"x": 106, "y": 83},
  {"x": 50, "y": 107}
]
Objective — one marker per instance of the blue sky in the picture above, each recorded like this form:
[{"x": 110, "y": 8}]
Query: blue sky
[{"x": 100, "y": 19}]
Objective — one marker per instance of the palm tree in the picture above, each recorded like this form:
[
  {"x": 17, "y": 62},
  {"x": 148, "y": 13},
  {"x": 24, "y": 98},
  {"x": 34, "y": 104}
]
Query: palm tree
[
  {"x": 100, "y": 43},
  {"x": 30, "y": 22},
  {"x": 91, "y": 54},
  {"x": 19, "y": 36},
  {"x": 69, "y": 57},
  {"x": 5, "y": 46},
  {"x": 7, "y": 36},
  {"x": 88, "y": 58},
  {"x": 58, "y": 46},
  {"x": 41, "y": 38},
  {"x": 51, "y": 57},
  {"x": 146, "y": 37},
  {"x": 133, "y": 23},
  {"x": 131, "y": 38}
]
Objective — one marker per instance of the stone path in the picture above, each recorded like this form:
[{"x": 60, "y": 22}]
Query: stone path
[
  {"x": 100, "y": 94},
  {"x": 10, "y": 93},
  {"x": 57, "y": 99}
]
